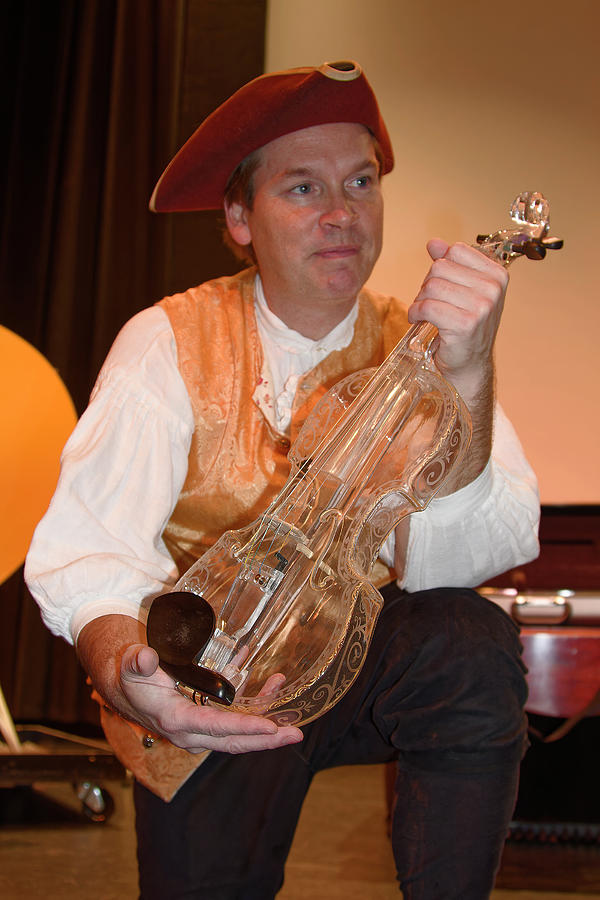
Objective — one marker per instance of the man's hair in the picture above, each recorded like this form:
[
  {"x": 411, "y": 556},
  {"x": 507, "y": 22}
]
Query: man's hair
[
  {"x": 240, "y": 186},
  {"x": 240, "y": 189}
]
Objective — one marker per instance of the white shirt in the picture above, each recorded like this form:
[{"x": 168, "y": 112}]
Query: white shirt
[{"x": 99, "y": 549}]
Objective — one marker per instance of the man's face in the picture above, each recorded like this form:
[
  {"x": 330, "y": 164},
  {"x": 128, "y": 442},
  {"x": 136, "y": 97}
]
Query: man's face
[{"x": 316, "y": 222}]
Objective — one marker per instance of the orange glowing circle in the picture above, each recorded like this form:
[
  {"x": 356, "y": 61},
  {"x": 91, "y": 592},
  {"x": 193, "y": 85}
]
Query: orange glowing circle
[{"x": 37, "y": 417}]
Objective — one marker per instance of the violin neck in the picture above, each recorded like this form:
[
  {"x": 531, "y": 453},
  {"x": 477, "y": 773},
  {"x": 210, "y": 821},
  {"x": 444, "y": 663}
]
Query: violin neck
[{"x": 418, "y": 340}]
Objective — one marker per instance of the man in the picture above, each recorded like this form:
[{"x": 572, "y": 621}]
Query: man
[{"x": 186, "y": 436}]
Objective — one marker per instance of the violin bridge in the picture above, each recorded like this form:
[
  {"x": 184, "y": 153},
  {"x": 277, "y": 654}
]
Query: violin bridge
[{"x": 303, "y": 548}]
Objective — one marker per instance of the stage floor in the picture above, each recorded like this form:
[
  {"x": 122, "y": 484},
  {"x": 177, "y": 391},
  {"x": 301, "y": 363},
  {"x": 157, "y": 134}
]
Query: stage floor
[{"x": 340, "y": 850}]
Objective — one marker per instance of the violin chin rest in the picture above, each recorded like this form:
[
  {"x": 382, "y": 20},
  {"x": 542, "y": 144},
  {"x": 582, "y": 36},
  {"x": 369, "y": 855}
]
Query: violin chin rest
[{"x": 179, "y": 627}]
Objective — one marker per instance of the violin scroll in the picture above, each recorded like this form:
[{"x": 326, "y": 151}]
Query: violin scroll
[{"x": 530, "y": 212}]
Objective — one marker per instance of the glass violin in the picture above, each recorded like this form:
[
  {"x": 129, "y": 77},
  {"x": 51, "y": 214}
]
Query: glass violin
[{"x": 291, "y": 595}]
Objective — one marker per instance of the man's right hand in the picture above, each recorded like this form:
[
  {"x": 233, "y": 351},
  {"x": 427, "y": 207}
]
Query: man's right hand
[{"x": 126, "y": 673}]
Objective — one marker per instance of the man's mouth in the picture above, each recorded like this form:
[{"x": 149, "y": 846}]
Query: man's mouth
[{"x": 340, "y": 252}]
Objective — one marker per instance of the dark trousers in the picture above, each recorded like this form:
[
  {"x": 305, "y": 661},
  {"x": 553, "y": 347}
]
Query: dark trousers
[{"x": 441, "y": 692}]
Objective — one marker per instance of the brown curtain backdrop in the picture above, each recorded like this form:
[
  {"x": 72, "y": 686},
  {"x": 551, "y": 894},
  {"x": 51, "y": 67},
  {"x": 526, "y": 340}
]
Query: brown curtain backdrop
[{"x": 98, "y": 95}]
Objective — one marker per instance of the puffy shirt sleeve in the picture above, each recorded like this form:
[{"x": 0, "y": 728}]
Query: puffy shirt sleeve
[
  {"x": 98, "y": 550},
  {"x": 481, "y": 530}
]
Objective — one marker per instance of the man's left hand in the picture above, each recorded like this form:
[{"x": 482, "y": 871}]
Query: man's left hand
[{"x": 463, "y": 296}]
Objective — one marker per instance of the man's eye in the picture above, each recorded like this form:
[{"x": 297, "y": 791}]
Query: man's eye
[
  {"x": 301, "y": 189},
  {"x": 362, "y": 181}
]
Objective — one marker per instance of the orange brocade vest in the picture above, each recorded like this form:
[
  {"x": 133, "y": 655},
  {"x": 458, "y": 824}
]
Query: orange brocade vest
[{"x": 237, "y": 462}]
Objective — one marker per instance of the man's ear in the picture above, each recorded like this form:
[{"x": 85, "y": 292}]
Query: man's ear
[{"x": 237, "y": 223}]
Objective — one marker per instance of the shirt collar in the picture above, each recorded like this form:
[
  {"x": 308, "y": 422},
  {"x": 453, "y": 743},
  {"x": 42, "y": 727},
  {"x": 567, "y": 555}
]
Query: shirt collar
[{"x": 277, "y": 332}]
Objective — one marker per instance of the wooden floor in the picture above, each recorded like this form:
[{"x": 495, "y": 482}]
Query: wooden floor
[{"x": 340, "y": 851}]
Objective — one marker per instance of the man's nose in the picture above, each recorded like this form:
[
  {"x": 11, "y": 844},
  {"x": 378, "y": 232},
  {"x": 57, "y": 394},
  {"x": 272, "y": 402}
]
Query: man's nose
[{"x": 339, "y": 210}]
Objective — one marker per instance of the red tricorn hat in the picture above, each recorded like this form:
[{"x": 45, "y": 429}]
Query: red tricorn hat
[{"x": 261, "y": 111}]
